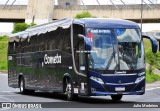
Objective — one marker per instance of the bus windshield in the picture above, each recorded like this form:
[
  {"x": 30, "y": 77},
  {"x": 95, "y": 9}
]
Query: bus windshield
[{"x": 116, "y": 49}]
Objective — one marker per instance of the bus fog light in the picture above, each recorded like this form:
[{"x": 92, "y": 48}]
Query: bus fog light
[
  {"x": 139, "y": 79},
  {"x": 93, "y": 89},
  {"x": 99, "y": 80},
  {"x": 143, "y": 88}
]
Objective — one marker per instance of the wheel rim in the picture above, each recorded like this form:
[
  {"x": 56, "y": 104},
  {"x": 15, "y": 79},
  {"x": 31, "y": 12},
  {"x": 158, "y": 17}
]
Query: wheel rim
[
  {"x": 21, "y": 86},
  {"x": 68, "y": 89}
]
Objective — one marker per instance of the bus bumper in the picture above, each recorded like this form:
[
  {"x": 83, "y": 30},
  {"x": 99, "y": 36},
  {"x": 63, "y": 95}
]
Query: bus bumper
[
  {"x": 98, "y": 89},
  {"x": 98, "y": 93}
]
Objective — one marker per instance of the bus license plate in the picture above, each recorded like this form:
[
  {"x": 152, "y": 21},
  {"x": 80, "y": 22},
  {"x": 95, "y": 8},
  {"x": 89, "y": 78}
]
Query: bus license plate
[{"x": 119, "y": 88}]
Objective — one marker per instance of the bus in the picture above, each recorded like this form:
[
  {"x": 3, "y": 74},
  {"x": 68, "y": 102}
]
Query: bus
[{"x": 79, "y": 57}]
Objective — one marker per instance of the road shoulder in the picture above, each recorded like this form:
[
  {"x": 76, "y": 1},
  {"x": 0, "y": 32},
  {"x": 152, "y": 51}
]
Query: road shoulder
[
  {"x": 4, "y": 72},
  {"x": 153, "y": 85}
]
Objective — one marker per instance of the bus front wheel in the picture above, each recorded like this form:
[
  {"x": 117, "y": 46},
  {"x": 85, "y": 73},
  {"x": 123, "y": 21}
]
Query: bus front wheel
[
  {"x": 116, "y": 97},
  {"x": 69, "y": 90}
]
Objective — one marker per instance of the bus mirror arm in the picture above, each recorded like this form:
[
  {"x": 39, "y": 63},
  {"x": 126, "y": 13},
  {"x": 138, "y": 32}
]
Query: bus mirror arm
[
  {"x": 86, "y": 40},
  {"x": 153, "y": 42},
  {"x": 81, "y": 36}
]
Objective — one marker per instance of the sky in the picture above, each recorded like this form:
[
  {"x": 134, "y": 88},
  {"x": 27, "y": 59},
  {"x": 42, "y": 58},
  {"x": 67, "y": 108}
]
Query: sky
[{"x": 8, "y": 27}]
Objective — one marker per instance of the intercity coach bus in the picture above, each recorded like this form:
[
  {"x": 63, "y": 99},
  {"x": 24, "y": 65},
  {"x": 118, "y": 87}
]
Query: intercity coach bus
[{"x": 85, "y": 57}]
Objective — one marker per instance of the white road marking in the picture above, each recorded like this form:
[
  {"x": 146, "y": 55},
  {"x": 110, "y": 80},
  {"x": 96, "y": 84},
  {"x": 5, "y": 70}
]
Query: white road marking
[
  {"x": 4, "y": 74},
  {"x": 7, "y": 91},
  {"x": 8, "y": 95},
  {"x": 7, "y": 99},
  {"x": 152, "y": 88},
  {"x": 5, "y": 109}
]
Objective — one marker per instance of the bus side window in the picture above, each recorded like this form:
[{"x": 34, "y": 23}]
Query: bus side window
[
  {"x": 11, "y": 47},
  {"x": 67, "y": 41}
]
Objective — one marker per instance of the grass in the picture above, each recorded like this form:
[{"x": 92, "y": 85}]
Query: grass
[
  {"x": 147, "y": 44},
  {"x": 151, "y": 77},
  {"x": 147, "y": 47},
  {"x": 3, "y": 53}
]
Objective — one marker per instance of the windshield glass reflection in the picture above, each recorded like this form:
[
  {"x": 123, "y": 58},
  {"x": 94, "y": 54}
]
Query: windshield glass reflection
[{"x": 115, "y": 49}]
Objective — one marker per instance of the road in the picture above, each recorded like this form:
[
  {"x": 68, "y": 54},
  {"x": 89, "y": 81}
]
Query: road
[{"x": 8, "y": 94}]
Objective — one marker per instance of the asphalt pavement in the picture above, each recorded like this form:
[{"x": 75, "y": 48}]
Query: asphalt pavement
[{"x": 59, "y": 102}]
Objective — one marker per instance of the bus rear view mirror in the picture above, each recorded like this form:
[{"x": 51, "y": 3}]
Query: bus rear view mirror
[
  {"x": 153, "y": 42},
  {"x": 86, "y": 40}
]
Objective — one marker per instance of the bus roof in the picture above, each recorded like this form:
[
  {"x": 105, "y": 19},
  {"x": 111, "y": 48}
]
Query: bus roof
[
  {"x": 41, "y": 29},
  {"x": 65, "y": 23},
  {"x": 106, "y": 23}
]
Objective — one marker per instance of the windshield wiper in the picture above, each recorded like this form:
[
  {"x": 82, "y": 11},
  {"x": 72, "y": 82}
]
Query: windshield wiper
[{"x": 112, "y": 57}]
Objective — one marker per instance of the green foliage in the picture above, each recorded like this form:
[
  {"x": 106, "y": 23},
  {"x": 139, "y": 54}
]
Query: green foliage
[
  {"x": 147, "y": 44},
  {"x": 18, "y": 27},
  {"x": 151, "y": 77},
  {"x": 3, "y": 38},
  {"x": 3, "y": 52},
  {"x": 84, "y": 14},
  {"x": 32, "y": 24},
  {"x": 153, "y": 59}
]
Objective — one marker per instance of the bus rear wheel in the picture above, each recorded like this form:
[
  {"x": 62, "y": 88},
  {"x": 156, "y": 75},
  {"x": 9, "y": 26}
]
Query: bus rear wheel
[
  {"x": 69, "y": 90},
  {"x": 116, "y": 97},
  {"x": 22, "y": 87}
]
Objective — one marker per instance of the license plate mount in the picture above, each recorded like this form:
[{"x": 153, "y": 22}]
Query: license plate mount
[{"x": 119, "y": 89}]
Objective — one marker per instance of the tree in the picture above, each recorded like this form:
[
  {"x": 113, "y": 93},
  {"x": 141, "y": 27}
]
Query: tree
[
  {"x": 84, "y": 14},
  {"x": 21, "y": 27},
  {"x": 153, "y": 59}
]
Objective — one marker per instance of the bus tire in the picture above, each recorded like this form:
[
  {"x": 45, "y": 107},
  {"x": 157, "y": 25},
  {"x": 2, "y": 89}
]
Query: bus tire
[
  {"x": 69, "y": 90},
  {"x": 116, "y": 97},
  {"x": 22, "y": 88}
]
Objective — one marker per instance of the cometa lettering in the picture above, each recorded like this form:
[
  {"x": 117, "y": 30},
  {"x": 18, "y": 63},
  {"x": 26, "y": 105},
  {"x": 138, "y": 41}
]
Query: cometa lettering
[{"x": 52, "y": 59}]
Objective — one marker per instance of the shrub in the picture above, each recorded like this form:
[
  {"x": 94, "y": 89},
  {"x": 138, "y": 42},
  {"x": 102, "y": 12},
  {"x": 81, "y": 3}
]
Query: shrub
[
  {"x": 84, "y": 14},
  {"x": 18, "y": 27}
]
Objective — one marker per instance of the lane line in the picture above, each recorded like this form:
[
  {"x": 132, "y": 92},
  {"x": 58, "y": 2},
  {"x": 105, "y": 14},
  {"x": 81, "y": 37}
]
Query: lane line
[
  {"x": 7, "y": 91},
  {"x": 8, "y": 95},
  {"x": 3, "y": 109},
  {"x": 4, "y": 74},
  {"x": 7, "y": 99},
  {"x": 152, "y": 88}
]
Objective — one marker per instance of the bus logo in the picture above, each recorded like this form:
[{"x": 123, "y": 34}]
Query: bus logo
[
  {"x": 119, "y": 81},
  {"x": 118, "y": 72},
  {"x": 52, "y": 59}
]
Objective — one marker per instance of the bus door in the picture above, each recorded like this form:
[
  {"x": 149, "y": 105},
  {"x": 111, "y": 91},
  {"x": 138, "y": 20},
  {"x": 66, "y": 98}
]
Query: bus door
[{"x": 80, "y": 57}]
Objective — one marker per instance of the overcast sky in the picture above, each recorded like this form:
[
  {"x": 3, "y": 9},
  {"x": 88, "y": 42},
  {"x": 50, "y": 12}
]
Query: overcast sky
[{"x": 8, "y": 27}]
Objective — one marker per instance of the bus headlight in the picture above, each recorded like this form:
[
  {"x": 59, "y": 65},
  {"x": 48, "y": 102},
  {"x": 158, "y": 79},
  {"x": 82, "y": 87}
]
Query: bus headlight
[
  {"x": 96, "y": 79},
  {"x": 139, "y": 79}
]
